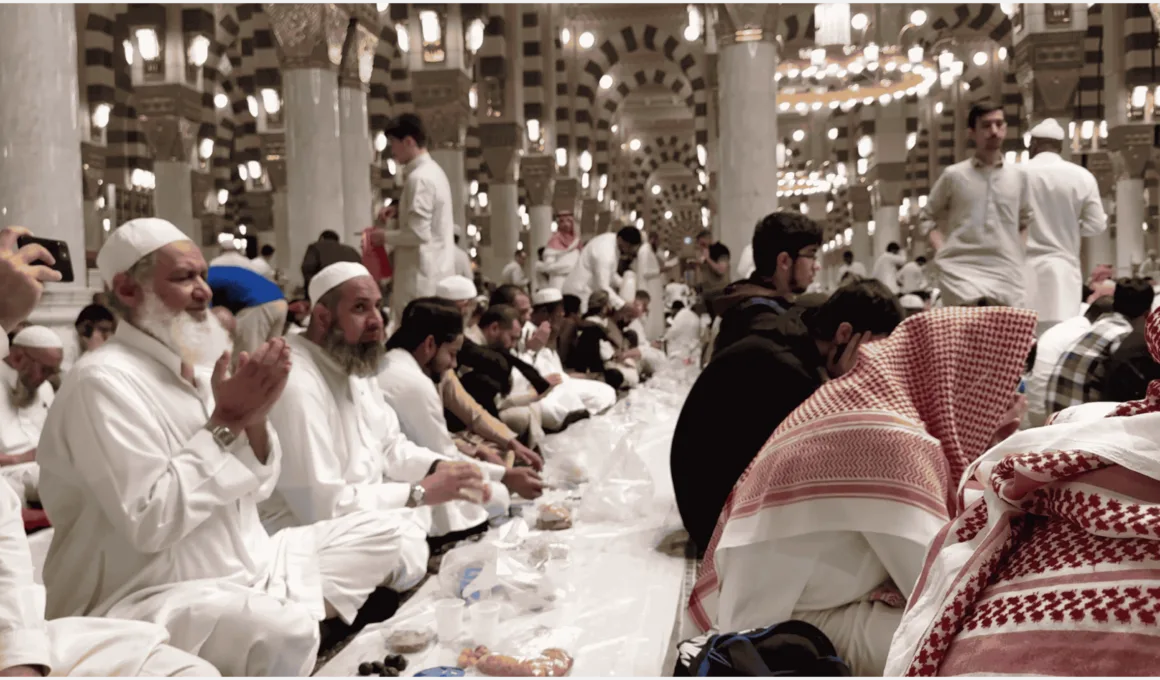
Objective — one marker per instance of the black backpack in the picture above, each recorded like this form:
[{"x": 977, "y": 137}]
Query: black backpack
[{"x": 792, "y": 648}]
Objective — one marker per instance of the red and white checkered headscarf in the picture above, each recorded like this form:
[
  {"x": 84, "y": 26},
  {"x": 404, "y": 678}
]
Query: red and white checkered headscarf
[
  {"x": 1056, "y": 570},
  {"x": 884, "y": 446}
]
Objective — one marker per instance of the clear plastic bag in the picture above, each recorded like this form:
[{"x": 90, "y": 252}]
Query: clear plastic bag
[
  {"x": 623, "y": 490},
  {"x": 486, "y": 571}
]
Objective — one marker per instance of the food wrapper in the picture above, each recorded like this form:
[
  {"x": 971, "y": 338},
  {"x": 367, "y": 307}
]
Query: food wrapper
[
  {"x": 536, "y": 652},
  {"x": 485, "y": 571}
]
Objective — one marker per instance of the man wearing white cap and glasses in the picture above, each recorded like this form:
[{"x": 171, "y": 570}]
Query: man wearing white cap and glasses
[
  {"x": 345, "y": 450},
  {"x": 153, "y": 461},
  {"x": 1066, "y": 200}
]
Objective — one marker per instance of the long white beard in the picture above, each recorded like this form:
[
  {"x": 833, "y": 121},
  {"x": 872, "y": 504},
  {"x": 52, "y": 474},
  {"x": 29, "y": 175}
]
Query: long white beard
[{"x": 197, "y": 342}]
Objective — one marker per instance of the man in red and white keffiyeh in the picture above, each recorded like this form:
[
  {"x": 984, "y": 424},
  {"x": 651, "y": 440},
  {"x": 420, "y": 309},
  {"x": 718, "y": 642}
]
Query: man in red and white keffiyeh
[
  {"x": 1056, "y": 570},
  {"x": 854, "y": 484}
]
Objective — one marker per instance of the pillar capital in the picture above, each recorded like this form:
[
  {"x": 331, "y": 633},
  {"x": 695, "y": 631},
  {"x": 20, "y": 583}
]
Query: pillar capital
[
  {"x": 1099, "y": 163},
  {"x": 359, "y": 60},
  {"x": 308, "y": 35},
  {"x": 539, "y": 172},
  {"x": 1048, "y": 67},
  {"x": 441, "y": 99},
  {"x": 1131, "y": 150},
  {"x": 273, "y": 150},
  {"x": 861, "y": 208},
  {"x": 502, "y": 146},
  {"x": 565, "y": 194},
  {"x": 888, "y": 180},
  {"x": 739, "y": 23},
  {"x": 590, "y": 207},
  {"x": 170, "y": 137}
]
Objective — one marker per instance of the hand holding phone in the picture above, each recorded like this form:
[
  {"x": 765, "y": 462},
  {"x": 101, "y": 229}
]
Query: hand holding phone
[
  {"x": 57, "y": 250},
  {"x": 20, "y": 280}
]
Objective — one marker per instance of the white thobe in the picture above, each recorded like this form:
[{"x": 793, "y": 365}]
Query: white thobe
[
  {"x": 911, "y": 278},
  {"x": 424, "y": 244},
  {"x": 570, "y": 396},
  {"x": 155, "y": 521},
  {"x": 514, "y": 274},
  {"x": 854, "y": 269},
  {"x": 651, "y": 358},
  {"x": 683, "y": 339},
  {"x": 676, "y": 291},
  {"x": 1066, "y": 201},
  {"x": 557, "y": 265},
  {"x": 822, "y": 579},
  {"x": 77, "y": 646},
  {"x": 886, "y": 269},
  {"x": 20, "y": 432},
  {"x": 415, "y": 400},
  {"x": 1048, "y": 351},
  {"x": 346, "y": 452},
  {"x": 986, "y": 210},
  {"x": 596, "y": 270},
  {"x": 745, "y": 263},
  {"x": 648, "y": 271},
  {"x": 463, "y": 263},
  {"x": 263, "y": 267}
]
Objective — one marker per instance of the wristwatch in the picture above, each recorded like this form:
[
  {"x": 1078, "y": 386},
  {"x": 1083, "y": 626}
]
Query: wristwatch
[
  {"x": 223, "y": 435},
  {"x": 416, "y": 497}
]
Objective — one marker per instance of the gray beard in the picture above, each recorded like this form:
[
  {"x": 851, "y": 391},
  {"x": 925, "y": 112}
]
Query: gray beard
[
  {"x": 362, "y": 359},
  {"x": 21, "y": 395}
]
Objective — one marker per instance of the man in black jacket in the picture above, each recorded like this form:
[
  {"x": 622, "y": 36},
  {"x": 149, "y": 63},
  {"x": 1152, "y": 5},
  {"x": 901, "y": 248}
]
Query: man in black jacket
[
  {"x": 785, "y": 250},
  {"x": 324, "y": 252},
  {"x": 751, "y": 386},
  {"x": 486, "y": 374}
]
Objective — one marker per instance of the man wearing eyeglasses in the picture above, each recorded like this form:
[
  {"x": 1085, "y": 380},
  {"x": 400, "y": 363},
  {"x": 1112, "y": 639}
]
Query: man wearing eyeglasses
[{"x": 785, "y": 251}]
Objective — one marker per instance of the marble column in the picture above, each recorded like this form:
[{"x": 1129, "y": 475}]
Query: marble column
[
  {"x": 502, "y": 145},
  {"x": 353, "y": 82},
  {"x": 1131, "y": 147},
  {"x": 746, "y": 65},
  {"x": 539, "y": 179},
  {"x": 441, "y": 100},
  {"x": 861, "y": 214},
  {"x": 40, "y": 143},
  {"x": 1049, "y": 57},
  {"x": 173, "y": 197},
  {"x": 310, "y": 38}
]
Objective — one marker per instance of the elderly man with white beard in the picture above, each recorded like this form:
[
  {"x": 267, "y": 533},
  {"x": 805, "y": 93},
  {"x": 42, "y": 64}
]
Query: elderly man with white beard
[
  {"x": 35, "y": 357},
  {"x": 344, "y": 447},
  {"x": 153, "y": 465}
]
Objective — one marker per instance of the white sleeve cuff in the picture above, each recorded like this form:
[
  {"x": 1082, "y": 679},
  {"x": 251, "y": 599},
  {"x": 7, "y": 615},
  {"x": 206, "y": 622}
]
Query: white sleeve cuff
[{"x": 26, "y": 647}]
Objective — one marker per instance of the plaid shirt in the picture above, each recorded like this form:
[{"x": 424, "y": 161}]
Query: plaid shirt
[{"x": 1079, "y": 375}]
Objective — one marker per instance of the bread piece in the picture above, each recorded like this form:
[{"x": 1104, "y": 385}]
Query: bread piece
[
  {"x": 554, "y": 518},
  {"x": 410, "y": 641}
]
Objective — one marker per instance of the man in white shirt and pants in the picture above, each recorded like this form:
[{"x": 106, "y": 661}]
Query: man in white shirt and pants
[
  {"x": 1066, "y": 200},
  {"x": 599, "y": 261},
  {"x": 513, "y": 272},
  {"x": 986, "y": 208},
  {"x": 152, "y": 468},
  {"x": 424, "y": 243}
]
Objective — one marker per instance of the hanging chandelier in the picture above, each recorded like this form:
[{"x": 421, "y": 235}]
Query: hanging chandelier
[{"x": 847, "y": 75}]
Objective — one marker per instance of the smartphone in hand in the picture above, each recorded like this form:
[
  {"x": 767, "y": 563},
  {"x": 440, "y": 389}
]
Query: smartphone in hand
[{"x": 59, "y": 252}]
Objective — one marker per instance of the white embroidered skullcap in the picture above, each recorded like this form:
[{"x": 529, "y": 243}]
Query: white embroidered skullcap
[
  {"x": 911, "y": 301},
  {"x": 37, "y": 337},
  {"x": 333, "y": 276},
  {"x": 132, "y": 241},
  {"x": 456, "y": 288},
  {"x": 1048, "y": 129},
  {"x": 547, "y": 296}
]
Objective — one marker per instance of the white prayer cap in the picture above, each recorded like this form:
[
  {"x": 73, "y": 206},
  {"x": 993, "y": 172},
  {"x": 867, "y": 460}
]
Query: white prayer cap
[
  {"x": 456, "y": 288},
  {"x": 547, "y": 296},
  {"x": 37, "y": 337},
  {"x": 333, "y": 276},
  {"x": 911, "y": 301},
  {"x": 1048, "y": 129},
  {"x": 132, "y": 241}
]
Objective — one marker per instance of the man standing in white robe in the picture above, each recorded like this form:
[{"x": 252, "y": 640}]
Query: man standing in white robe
[
  {"x": 424, "y": 243},
  {"x": 35, "y": 357},
  {"x": 344, "y": 450},
  {"x": 1066, "y": 201},
  {"x": 419, "y": 355},
  {"x": 152, "y": 469},
  {"x": 513, "y": 272},
  {"x": 599, "y": 261},
  {"x": 560, "y": 254},
  {"x": 650, "y": 278}
]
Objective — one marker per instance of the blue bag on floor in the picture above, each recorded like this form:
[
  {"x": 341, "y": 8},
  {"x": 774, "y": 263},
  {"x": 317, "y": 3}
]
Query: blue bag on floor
[{"x": 792, "y": 648}]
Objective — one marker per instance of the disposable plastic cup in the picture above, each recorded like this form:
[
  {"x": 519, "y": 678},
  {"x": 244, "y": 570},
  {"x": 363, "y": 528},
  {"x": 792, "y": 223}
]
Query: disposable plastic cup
[
  {"x": 485, "y": 622},
  {"x": 449, "y": 619}
]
